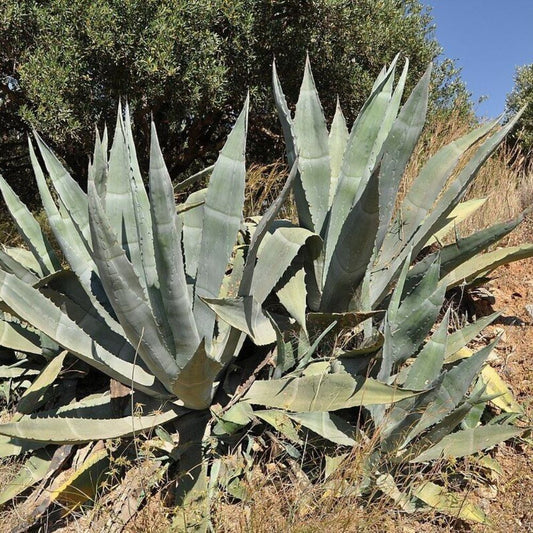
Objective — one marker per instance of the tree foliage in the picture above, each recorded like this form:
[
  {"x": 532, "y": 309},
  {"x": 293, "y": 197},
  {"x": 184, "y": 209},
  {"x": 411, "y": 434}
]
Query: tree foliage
[
  {"x": 520, "y": 96},
  {"x": 189, "y": 64}
]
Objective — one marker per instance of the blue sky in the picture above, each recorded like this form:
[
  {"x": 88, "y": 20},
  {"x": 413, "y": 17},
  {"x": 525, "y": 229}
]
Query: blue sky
[{"x": 488, "y": 38}]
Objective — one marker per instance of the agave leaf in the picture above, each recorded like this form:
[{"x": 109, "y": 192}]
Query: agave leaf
[
  {"x": 449, "y": 393},
  {"x": 235, "y": 418},
  {"x": 33, "y": 470},
  {"x": 460, "y": 338},
  {"x": 327, "y": 392},
  {"x": 393, "y": 107},
  {"x": 194, "y": 385},
  {"x": 8, "y": 264},
  {"x": 496, "y": 386},
  {"x": 448, "y": 503},
  {"x": 311, "y": 136},
  {"x": 338, "y": 139},
  {"x": 260, "y": 233},
  {"x": 222, "y": 221},
  {"x": 70, "y": 193},
  {"x": 34, "y": 308},
  {"x": 308, "y": 354},
  {"x": 72, "y": 245},
  {"x": 17, "y": 337},
  {"x": 192, "y": 231},
  {"x": 486, "y": 263},
  {"x": 327, "y": 425},
  {"x": 428, "y": 363},
  {"x": 281, "y": 422},
  {"x": 453, "y": 193},
  {"x": 81, "y": 483},
  {"x": 389, "y": 265},
  {"x": 93, "y": 326},
  {"x": 469, "y": 441},
  {"x": 293, "y": 296},
  {"x": 97, "y": 171},
  {"x": 428, "y": 185},
  {"x": 276, "y": 253},
  {"x": 460, "y": 213},
  {"x": 30, "y": 230},
  {"x": 118, "y": 202},
  {"x": 167, "y": 243},
  {"x": 246, "y": 315},
  {"x": 397, "y": 150},
  {"x": 17, "y": 372},
  {"x": 127, "y": 296},
  {"x": 23, "y": 257},
  {"x": 285, "y": 117},
  {"x": 64, "y": 430},
  {"x": 358, "y": 163},
  {"x": 14, "y": 447},
  {"x": 353, "y": 251},
  {"x": 409, "y": 326},
  {"x": 386, "y": 484},
  {"x": 34, "y": 396},
  {"x": 453, "y": 255}
]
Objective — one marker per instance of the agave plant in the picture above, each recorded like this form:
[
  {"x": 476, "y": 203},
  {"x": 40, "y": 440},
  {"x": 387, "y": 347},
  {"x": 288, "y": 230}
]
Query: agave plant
[
  {"x": 161, "y": 299},
  {"x": 347, "y": 188},
  {"x": 158, "y": 297}
]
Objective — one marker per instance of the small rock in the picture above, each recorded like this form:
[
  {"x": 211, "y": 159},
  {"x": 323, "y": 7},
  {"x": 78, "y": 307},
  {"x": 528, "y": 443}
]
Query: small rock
[{"x": 529, "y": 309}]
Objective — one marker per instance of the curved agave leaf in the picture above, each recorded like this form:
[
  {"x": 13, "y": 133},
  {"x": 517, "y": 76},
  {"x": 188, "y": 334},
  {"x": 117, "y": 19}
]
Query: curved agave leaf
[
  {"x": 17, "y": 337},
  {"x": 469, "y": 441},
  {"x": 64, "y": 430},
  {"x": 30, "y": 230},
  {"x": 326, "y": 392},
  {"x": 72, "y": 245},
  {"x": 486, "y": 263},
  {"x": 264, "y": 225},
  {"x": 33, "y": 470},
  {"x": 460, "y": 213},
  {"x": 70, "y": 193},
  {"x": 34, "y": 396},
  {"x": 30, "y": 305},
  {"x": 275, "y": 255},
  {"x": 246, "y": 315},
  {"x": 327, "y": 425},
  {"x": 448, "y": 503},
  {"x": 293, "y": 296}
]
